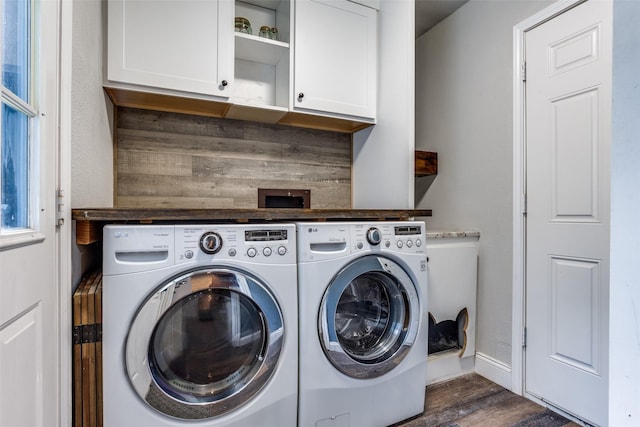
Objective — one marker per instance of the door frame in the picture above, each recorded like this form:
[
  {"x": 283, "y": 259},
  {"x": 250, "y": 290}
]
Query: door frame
[
  {"x": 65, "y": 236},
  {"x": 519, "y": 182}
]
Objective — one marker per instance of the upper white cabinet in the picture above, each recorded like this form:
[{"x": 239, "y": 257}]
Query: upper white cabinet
[
  {"x": 335, "y": 58},
  {"x": 184, "y": 56},
  {"x": 180, "y": 45}
]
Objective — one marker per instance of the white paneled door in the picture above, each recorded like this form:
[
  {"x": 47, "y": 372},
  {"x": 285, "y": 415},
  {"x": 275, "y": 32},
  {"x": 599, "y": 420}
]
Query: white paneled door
[
  {"x": 568, "y": 122},
  {"x": 29, "y": 319}
]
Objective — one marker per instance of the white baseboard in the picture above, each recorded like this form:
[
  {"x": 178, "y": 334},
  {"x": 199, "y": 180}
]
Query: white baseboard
[{"x": 494, "y": 370}]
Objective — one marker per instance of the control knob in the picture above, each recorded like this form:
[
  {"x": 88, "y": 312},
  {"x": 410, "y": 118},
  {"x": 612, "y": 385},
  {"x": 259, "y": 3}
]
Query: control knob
[
  {"x": 210, "y": 242},
  {"x": 373, "y": 236}
]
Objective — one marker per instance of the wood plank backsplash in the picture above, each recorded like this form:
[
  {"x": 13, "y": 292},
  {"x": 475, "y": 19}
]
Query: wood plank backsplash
[{"x": 169, "y": 160}]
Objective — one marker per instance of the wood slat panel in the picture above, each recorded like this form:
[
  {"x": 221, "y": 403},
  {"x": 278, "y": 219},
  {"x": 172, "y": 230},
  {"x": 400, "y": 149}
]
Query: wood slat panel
[
  {"x": 332, "y": 151},
  {"x": 86, "y": 359},
  {"x": 87, "y": 352},
  {"x": 169, "y": 202},
  {"x": 167, "y": 160},
  {"x": 263, "y": 132},
  {"x": 332, "y": 193},
  {"x": 92, "y": 374},
  {"x": 98, "y": 315},
  {"x": 201, "y": 145},
  {"x": 322, "y": 200},
  {"x": 210, "y": 178},
  {"x": 77, "y": 360},
  {"x": 154, "y": 163},
  {"x": 178, "y": 126},
  {"x": 248, "y": 172}
]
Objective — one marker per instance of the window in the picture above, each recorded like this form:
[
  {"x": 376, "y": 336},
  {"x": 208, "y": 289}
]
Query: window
[{"x": 17, "y": 117}]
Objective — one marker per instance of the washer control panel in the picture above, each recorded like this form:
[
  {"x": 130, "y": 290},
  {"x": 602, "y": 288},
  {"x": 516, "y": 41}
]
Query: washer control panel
[
  {"x": 274, "y": 244},
  {"x": 210, "y": 242},
  {"x": 373, "y": 236}
]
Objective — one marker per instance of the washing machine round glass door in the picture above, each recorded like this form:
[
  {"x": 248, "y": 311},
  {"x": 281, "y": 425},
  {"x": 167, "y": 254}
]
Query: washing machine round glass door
[
  {"x": 204, "y": 343},
  {"x": 369, "y": 317}
]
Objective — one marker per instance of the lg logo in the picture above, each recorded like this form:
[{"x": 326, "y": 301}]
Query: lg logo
[{"x": 312, "y": 230}]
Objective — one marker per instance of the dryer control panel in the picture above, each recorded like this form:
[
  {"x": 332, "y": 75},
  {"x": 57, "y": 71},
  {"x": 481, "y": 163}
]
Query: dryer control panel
[
  {"x": 273, "y": 244},
  {"x": 404, "y": 237},
  {"x": 332, "y": 240}
]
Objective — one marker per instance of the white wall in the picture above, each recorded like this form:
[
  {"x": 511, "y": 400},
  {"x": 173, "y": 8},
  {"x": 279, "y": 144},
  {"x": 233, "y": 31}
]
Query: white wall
[
  {"x": 464, "y": 102},
  {"x": 383, "y": 162},
  {"x": 91, "y": 135},
  {"x": 91, "y": 117},
  {"x": 624, "y": 371}
]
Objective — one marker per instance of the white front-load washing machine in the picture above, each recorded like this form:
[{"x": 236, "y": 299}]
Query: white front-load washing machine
[
  {"x": 200, "y": 325},
  {"x": 363, "y": 335}
]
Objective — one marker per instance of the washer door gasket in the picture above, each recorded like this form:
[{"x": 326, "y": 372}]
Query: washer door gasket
[
  {"x": 204, "y": 343},
  {"x": 369, "y": 317}
]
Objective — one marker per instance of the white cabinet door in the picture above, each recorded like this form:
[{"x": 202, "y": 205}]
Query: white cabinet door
[
  {"x": 335, "y": 58},
  {"x": 183, "y": 45}
]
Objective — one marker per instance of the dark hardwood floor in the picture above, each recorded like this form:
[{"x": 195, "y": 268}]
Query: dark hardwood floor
[{"x": 474, "y": 401}]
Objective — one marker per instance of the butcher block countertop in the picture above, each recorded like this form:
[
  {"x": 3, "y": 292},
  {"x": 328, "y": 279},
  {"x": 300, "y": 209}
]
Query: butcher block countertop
[{"x": 89, "y": 221}]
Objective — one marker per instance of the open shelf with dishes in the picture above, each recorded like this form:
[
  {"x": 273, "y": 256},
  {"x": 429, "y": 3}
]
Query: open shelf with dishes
[
  {"x": 262, "y": 63},
  {"x": 259, "y": 49}
]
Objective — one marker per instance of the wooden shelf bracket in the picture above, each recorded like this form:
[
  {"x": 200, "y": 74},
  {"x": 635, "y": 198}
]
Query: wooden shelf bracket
[{"x": 426, "y": 163}]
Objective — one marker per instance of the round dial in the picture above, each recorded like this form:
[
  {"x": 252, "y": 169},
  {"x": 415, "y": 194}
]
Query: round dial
[
  {"x": 373, "y": 236},
  {"x": 210, "y": 242}
]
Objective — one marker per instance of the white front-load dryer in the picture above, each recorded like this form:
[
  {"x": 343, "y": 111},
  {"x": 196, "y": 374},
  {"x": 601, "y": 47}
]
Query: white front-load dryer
[
  {"x": 363, "y": 334},
  {"x": 200, "y": 325}
]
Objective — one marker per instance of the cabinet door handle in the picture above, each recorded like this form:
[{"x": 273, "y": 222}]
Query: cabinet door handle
[
  {"x": 300, "y": 96},
  {"x": 225, "y": 83}
]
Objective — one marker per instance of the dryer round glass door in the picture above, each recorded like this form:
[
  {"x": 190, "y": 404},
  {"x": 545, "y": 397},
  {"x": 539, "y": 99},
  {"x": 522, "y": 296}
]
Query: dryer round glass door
[
  {"x": 369, "y": 317},
  {"x": 204, "y": 343}
]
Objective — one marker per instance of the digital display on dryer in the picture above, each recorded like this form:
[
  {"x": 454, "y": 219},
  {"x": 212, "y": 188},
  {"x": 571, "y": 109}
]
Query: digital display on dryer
[
  {"x": 408, "y": 230},
  {"x": 264, "y": 235}
]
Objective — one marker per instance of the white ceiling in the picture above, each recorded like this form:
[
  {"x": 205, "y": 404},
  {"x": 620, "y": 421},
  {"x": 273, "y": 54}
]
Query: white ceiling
[{"x": 430, "y": 12}]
